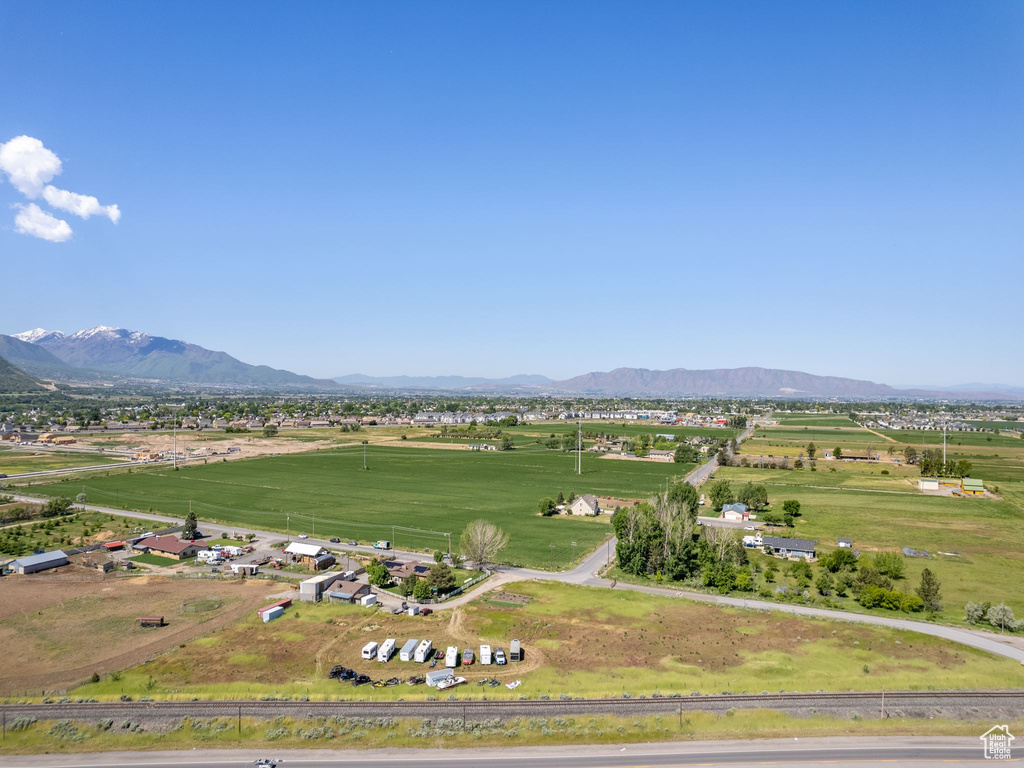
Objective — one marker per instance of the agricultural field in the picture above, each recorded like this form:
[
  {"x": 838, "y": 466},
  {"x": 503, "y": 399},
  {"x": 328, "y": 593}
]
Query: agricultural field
[
  {"x": 813, "y": 420},
  {"x": 16, "y": 461},
  {"x": 577, "y": 640},
  {"x": 75, "y": 530},
  {"x": 56, "y": 634},
  {"x": 404, "y": 488}
]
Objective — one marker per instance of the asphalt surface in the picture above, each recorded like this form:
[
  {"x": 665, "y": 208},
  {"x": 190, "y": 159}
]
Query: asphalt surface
[{"x": 894, "y": 751}]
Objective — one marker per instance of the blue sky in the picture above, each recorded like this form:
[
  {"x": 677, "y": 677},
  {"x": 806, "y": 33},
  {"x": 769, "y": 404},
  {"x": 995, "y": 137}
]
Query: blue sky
[{"x": 496, "y": 188}]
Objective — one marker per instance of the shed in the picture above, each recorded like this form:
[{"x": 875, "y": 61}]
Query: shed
[
  {"x": 973, "y": 486},
  {"x": 844, "y": 543},
  {"x": 436, "y": 676},
  {"x": 368, "y": 600},
  {"x": 40, "y": 562},
  {"x": 150, "y": 621},
  {"x": 928, "y": 484},
  {"x": 311, "y": 590},
  {"x": 282, "y": 604}
]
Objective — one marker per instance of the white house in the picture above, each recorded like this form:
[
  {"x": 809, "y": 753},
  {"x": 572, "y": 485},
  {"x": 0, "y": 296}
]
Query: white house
[
  {"x": 585, "y": 505},
  {"x": 735, "y": 512}
]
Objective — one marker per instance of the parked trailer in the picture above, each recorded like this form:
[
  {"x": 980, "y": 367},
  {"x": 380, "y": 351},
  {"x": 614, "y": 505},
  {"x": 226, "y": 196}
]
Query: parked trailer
[
  {"x": 370, "y": 650},
  {"x": 386, "y": 651},
  {"x": 485, "y": 654},
  {"x": 408, "y": 650},
  {"x": 515, "y": 652},
  {"x": 424, "y": 649},
  {"x": 436, "y": 676},
  {"x": 272, "y": 613},
  {"x": 451, "y": 657}
]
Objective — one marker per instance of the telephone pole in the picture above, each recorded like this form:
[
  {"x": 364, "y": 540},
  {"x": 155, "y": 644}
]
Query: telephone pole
[
  {"x": 174, "y": 431},
  {"x": 364, "y": 454},
  {"x": 579, "y": 448}
]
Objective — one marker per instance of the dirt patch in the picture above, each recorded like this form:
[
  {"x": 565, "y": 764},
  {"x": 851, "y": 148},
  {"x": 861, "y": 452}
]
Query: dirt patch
[
  {"x": 56, "y": 634},
  {"x": 510, "y": 598}
]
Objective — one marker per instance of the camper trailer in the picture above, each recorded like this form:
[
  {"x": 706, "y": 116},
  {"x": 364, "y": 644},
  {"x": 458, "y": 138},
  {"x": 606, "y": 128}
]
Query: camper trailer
[
  {"x": 485, "y": 654},
  {"x": 386, "y": 651},
  {"x": 515, "y": 652},
  {"x": 370, "y": 650},
  {"x": 424, "y": 649},
  {"x": 408, "y": 650},
  {"x": 451, "y": 657}
]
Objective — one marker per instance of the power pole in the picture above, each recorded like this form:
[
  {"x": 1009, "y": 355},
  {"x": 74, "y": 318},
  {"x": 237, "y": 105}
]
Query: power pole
[
  {"x": 314, "y": 525},
  {"x": 174, "y": 431},
  {"x": 944, "y": 446},
  {"x": 579, "y": 448},
  {"x": 364, "y": 454},
  {"x": 288, "y": 527}
]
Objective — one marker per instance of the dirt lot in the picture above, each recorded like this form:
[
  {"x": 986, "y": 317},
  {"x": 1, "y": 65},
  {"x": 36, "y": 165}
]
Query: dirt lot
[
  {"x": 56, "y": 633},
  {"x": 250, "y": 444}
]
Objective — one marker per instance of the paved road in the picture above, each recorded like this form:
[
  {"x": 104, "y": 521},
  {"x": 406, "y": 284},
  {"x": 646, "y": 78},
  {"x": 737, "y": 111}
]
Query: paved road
[{"x": 894, "y": 752}]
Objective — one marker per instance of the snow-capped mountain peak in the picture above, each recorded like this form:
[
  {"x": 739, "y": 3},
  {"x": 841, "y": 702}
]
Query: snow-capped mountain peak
[
  {"x": 33, "y": 336},
  {"x": 88, "y": 333}
]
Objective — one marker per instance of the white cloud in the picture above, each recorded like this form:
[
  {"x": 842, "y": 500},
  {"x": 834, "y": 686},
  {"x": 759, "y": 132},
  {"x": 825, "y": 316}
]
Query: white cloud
[
  {"x": 30, "y": 166},
  {"x": 33, "y": 220},
  {"x": 80, "y": 205}
]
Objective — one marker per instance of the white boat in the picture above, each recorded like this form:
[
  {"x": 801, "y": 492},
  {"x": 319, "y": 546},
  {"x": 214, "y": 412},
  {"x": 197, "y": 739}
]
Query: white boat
[{"x": 451, "y": 682}]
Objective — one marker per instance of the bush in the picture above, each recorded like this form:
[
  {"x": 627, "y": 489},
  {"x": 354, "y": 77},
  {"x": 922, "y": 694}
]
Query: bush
[{"x": 890, "y": 564}]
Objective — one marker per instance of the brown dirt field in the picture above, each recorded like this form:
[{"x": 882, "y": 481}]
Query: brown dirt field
[{"x": 56, "y": 633}]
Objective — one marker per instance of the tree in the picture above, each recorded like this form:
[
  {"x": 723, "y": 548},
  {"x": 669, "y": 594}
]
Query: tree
[
  {"x": 1002, "y": 616},
  {"x": 910, "y": 454},
  {"x": 438, "y": 556},
  {"x": 825, "y": 583},
  {"x": 844, "y": 583},
  {"x": 890, "y": 564},
  {"x": 59, "y": 505},
  {"x": 686, "y": 496},
  {"x": 481, "y": 542},
  {"x": 754, "y": 496},
  {"x": 408, "y": 586},
  {"x": 791, "y": 507},
  {"x": 378, "y": 574},
  {"x": 191, "y": 528},
  {"x": 930, "y": 591},
  {"x": 441, "y": 577},
  {"x": 811, "y": 450},
  {"x": 559, "y": 499},
  {"x": 422, "y": 590},
  {"x": 507, "y": 443},
  {"x": 975, "y": 612},
  {"x": 684, "y": 454},
  {"x": 269, "y": 430},
  {"x": 720, "y": 494},
  {"x": 838, "y": 452},
  {"x": 839, "y": 560},
  {"x": 80, "y": 498},
  {"x": 547, "y": 506}
]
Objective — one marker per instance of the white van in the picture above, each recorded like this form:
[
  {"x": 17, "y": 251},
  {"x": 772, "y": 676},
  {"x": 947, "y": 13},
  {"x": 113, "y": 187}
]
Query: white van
[
  {"x": 451, "y": 657},
  {"x": 386, "y": 651},
  {"x": 369, "y": 650},
  {"x": 423, "y": 650},
  {"x": 485, "y": 654}
]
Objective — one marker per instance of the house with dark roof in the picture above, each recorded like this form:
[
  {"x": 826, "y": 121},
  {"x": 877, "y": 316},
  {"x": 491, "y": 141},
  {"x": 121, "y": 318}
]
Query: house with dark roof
[
  {"x": 780, "y": 547},
  {"x": 400, "y": 571},
  {"x": 736, "y": 511},
  {"x": 168, "y": 546}
]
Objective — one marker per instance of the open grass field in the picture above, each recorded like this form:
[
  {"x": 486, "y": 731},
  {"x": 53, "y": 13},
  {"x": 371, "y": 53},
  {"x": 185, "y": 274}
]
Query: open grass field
[
  {"x": 148, "y": 559},
  {"x": 577, "y": 640},
  {"x": 813, "y": 420},
  {"x": 16, "y": 461},
  {"x": 75, "y": 530},
  {"x": 404, "y": 487},
  {"x": 56, "y": 634}
]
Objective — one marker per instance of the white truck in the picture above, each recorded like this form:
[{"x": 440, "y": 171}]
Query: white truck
[{"x": 386, "y": 651}]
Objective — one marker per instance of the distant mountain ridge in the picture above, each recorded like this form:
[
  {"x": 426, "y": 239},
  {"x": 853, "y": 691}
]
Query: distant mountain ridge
[
  {"x": 443, "y": 382},
  {"x": 139, "y": 355},
  {"x": 14, "y": 380}
]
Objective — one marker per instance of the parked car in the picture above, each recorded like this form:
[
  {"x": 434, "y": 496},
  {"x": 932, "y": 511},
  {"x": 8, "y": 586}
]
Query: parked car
[
  {"x": 303, "y": 536},
  {"x": 335, "y": 540},
  {"x": 499, "y": 657},
  {"x": 426, "y": 611},
  {"x": 352, "y": 544},
  {"x": 468, "y": 657}
]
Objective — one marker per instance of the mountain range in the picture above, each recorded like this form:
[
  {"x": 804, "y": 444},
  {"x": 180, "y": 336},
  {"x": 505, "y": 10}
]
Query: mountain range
[{"x": 104, "y": 353}]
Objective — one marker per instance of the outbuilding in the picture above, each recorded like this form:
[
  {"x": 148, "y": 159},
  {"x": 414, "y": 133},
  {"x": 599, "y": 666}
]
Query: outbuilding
[
  {"x": 41, "y": 562},
  {"x": 972, "y": 486},
  {"x": 436, "y": 676},
  {"x": 928, "y": 484},
  {"x": 735, "y": 512},
  {"x": 312, "y": 590}
]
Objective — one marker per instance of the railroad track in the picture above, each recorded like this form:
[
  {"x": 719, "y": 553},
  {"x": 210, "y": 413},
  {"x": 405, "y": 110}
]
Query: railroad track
[{"x": 478, "y": 709}]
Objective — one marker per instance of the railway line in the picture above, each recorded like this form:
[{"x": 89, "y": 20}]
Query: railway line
[{"x": 877, "y": 703}]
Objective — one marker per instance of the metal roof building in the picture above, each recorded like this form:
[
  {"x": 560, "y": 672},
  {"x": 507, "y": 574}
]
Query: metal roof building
[
  {"x": 41, "y": 562},
  {"x": 787, "y": 547}
]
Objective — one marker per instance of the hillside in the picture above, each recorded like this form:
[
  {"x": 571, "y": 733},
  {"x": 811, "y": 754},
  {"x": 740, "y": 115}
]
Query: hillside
[
  {"x": 444, "y": 382},
  {"x": 135, "y": 354},
  {"x": 34, "y": 359},
  {"x": 14, "y": 380},
  {"x": 739, "y": 382}
]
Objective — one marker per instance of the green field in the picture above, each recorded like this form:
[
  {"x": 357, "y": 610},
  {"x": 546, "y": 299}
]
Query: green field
[
  {"x": 68, "y": 531},
  {"x": 156, "y": 560},
  {"x": 14, "y": 462},
  {"x": 813, "y": 420},
  {"x": 433, "y": 489}
]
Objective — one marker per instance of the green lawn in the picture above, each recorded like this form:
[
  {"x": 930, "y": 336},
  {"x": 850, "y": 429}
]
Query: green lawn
[{"x": 421, "y": 488}]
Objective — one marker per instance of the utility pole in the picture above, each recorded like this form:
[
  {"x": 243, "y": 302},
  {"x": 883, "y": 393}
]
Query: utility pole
[
  {"x": 551, "y": 555},
  {"x": 288, "y": 527},
  {"x": 174, "y": 431},
  {"x": 364, "y": 454},
  {"x": 314, "y": 525},
  {"x": 449, "y": 544},
  {"x": 882, "y": 717},
  {"x": 579, "y": 448},
  {"x": 944, "y": 446}
]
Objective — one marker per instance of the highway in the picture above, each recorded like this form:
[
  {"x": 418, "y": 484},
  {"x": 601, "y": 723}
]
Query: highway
[{"x": 896, "y": 752}]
